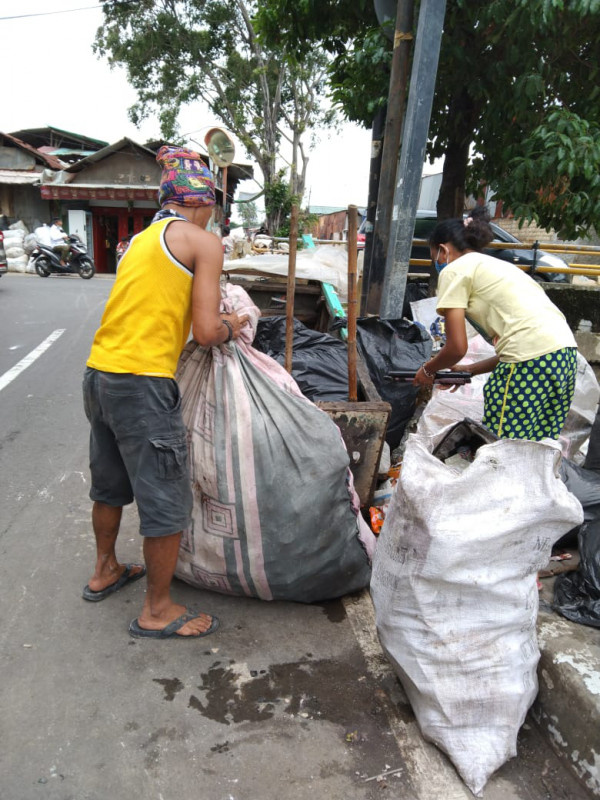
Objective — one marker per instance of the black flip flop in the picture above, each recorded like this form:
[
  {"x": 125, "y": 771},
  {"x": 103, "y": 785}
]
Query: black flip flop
[
  {"x": 127, "y": 577},
  {"x": 170, "y": 631}
]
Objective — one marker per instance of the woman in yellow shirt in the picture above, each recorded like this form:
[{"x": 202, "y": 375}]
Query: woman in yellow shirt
[{"x": 532, "y": 381}]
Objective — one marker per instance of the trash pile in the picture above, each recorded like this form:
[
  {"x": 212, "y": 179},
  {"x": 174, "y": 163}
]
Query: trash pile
[
  {"x": 381, "y": 500},
  {"x": 577, "y": 593}
]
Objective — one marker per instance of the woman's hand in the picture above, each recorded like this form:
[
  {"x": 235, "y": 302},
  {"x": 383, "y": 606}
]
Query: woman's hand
[{"x": 424, "y": 377}]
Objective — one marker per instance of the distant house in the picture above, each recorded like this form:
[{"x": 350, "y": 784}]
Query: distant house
[
  {"x": 333, "y": 221},
  {"x": 67, "y": 146},
  {"x": 103, "y": 193},
  {"x": 21, "y": 171},
  {"x": 107, "y": 196}
]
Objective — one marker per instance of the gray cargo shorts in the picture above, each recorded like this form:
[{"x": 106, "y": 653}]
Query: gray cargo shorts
[{"x": 138, "y": 448}]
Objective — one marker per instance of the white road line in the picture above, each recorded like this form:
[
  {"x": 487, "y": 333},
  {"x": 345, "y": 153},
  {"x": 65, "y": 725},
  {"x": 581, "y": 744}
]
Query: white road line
[{"x": 12, "y": 373}]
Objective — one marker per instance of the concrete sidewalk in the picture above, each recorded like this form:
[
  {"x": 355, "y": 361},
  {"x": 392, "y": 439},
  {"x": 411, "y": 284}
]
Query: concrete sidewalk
[
  {"x": 568, "y": 704},
  {"x": 284, "y": 702}
]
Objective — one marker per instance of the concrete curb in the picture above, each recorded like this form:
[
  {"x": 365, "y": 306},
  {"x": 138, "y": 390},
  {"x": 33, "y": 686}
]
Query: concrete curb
[{"x": 568, "y": 704}]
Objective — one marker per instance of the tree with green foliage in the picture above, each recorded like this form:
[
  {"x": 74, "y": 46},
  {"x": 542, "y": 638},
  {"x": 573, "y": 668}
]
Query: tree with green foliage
[
  {"x": 249, "y": 214},
  {"x": 517, "y": 98},
  {"x": 526, "y": 103},
  {"x": 278, "y": 204},
  {"x": 179, "y": 51}
]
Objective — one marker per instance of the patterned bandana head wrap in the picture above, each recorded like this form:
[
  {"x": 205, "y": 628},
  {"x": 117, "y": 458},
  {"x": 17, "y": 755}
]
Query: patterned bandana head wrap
[{"x": 185, "y": 179}]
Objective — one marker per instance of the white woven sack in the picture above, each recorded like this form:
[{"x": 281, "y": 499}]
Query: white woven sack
[
  {"x": 13, "y": 237},
  {"x": 14, "y": 252},
  {"x": 17, "y": 264},
  {"x": 454, "y": 589},
  {"x": 19, "y": 226}
]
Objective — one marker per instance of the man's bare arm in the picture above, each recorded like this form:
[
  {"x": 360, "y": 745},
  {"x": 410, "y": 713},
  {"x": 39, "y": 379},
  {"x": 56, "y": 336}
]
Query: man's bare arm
[{"x": 202, "y": 253}]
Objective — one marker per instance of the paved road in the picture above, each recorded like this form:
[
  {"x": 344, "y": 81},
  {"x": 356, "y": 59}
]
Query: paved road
[{"x": 285, "y": 702}]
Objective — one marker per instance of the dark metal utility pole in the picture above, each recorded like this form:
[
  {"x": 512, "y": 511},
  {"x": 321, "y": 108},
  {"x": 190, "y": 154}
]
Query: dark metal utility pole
[
  {"x": 374, "y": 173},
  {"x": 412, "y": 156},
  {"x": 352, "y": 303},
  {"x": 376, "y": 249}
]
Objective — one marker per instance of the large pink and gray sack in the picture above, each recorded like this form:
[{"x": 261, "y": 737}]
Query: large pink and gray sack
[{"x": 275, "y": 512}]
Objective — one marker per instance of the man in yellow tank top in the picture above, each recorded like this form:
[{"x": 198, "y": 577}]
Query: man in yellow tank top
[{"x": 167, "y": 281}]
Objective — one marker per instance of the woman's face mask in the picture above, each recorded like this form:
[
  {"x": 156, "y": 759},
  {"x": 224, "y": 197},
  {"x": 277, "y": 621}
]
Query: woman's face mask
[{"x": 440, "y": 264}]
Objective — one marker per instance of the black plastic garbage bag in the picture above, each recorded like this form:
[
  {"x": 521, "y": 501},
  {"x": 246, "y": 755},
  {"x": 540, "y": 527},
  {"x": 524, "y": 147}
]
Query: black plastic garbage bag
[
  {"x": 415, "y": 290},
  {"x": 577, "y": 594},
  {"x": 585, "y": 485},
  {"x": 319, "y": 361},
  {"x": 592, "y": 459},
  {"x": 385, "y": 345}
]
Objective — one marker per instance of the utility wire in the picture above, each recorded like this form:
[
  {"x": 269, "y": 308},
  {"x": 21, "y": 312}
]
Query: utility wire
[{"x": 47, "y": 13}]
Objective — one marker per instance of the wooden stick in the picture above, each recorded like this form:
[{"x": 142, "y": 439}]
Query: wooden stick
[
  {"x": 384, "y": 774},
  {"x": 352, "y": 301},
  {"x": 291, "y": 290}
]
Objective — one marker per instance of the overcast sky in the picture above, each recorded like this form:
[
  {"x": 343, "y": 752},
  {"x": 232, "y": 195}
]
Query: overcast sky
[{"x": 52, "y": 77}]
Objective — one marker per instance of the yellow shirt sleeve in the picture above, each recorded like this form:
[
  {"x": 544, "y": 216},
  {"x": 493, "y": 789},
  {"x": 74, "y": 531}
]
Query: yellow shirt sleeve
[{"x": 454, "y": 289}]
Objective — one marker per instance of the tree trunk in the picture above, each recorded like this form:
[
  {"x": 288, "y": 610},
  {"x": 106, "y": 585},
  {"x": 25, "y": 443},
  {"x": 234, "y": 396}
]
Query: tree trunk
[{"x": 451, "y": 199}]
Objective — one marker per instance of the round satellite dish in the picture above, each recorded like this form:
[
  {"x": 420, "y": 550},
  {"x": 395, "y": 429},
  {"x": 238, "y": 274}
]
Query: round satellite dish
[{"x": 220, "y": 147}]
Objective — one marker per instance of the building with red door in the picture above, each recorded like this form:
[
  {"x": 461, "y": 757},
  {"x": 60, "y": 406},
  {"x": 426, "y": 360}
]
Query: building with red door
[{"x": 111, "y": 194}]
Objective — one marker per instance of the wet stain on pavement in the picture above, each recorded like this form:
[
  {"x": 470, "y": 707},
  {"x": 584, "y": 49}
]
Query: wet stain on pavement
[
  {"x": 334, "y": 610},
  {"x": 171, "y": 686},
  {"x": 310, "y": 690}
]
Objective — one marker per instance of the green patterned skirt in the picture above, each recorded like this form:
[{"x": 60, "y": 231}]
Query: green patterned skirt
[{"x": 531, "y": 399}]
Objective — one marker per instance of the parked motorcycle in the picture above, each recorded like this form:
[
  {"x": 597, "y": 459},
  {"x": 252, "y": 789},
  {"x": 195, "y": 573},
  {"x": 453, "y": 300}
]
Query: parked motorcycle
[{"x": 46, "y": 261}]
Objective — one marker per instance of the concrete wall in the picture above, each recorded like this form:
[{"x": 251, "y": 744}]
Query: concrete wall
[
  {"x": 22, "y": 202},
  {"x": 528, "y": 232},
  {"x": 126, "y": 168}
]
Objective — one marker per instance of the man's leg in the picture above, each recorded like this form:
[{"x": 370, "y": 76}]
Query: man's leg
[
  {"x": 105, "y": 522},
  {"x": 160, "y": 554},
  {"x": 62, "y": 251}
]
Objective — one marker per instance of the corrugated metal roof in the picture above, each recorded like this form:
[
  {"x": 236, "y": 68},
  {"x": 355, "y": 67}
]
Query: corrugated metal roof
[
  {"x": 18, "y": 176},
  {"x": 46, "y": 134},
  {"x": 47, "y": 160},
  {"x": 65, "y": 151}
]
